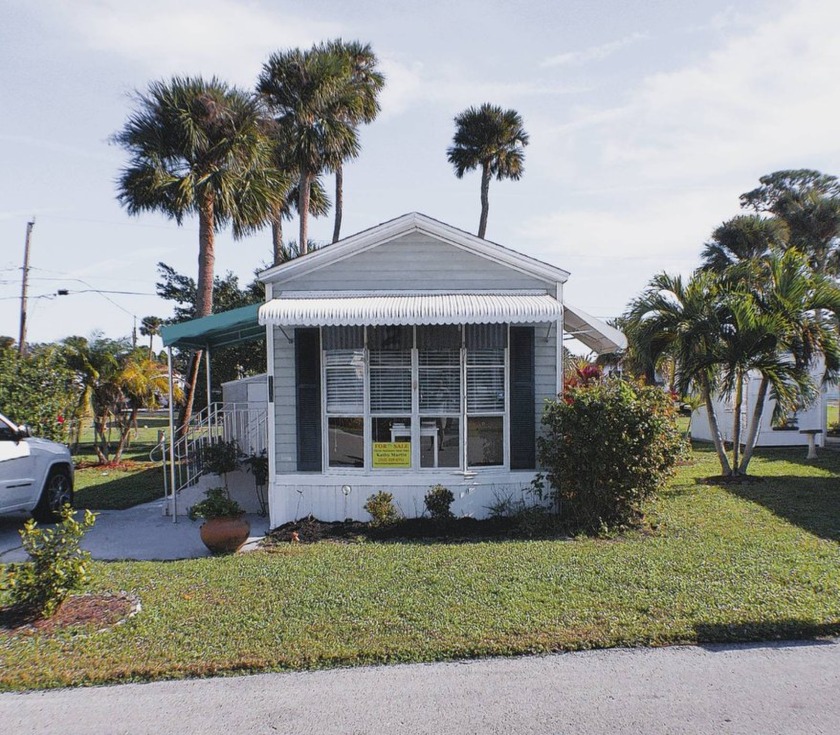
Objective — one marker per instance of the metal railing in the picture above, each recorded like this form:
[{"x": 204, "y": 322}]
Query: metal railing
[{"x": 242, "y": 423}]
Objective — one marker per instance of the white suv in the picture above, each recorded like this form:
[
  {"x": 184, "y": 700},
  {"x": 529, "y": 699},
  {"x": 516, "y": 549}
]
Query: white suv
[{"x": 36, "y": 475}]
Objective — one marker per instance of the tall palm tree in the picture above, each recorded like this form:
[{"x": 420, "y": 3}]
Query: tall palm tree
[
  {"x": 493, "y": 140},
  {"x": 150, "y": 327},
  {"x": 359, "y": 103},
  {"x": 319, "y": 205},
  {"x": 305, "y": 92},
  {"x": 199, "y": 147}
]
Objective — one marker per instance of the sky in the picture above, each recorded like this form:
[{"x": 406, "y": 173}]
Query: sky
[{"x": 647, "y": 120}]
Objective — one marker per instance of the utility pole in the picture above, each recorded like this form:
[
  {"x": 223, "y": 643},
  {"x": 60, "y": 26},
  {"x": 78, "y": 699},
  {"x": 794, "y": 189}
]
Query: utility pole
[{"x": 24, "y": 285}]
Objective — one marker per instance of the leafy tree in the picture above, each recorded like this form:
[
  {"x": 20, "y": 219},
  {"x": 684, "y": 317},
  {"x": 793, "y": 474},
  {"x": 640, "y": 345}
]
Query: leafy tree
[
  {"x": 199, "y": 147},
  {"x": 808, "y": 202},
  {"x": 227, "y": 363},
  {"x": 305, "y": 91},
  {"x": 492, "y": 140},
  {"x": 37, "y": 389}
]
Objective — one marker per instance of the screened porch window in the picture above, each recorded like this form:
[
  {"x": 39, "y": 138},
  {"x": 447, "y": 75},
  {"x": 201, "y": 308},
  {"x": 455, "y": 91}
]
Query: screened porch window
[{"x": 425, "y": 397}]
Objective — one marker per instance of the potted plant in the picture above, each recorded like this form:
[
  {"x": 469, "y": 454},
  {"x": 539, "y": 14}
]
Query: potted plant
[{"x": 224, "y": 529}]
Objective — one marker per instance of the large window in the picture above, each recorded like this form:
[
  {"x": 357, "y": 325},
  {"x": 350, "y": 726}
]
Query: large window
[{"x": 427, "y": 397}]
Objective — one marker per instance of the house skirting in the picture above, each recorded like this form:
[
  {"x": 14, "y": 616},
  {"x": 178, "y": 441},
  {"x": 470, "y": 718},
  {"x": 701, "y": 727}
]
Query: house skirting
[{"x": 341, "y": 496}]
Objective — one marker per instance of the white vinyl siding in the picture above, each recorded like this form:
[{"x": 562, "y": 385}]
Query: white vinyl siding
[{"x": 420, "y": 258}]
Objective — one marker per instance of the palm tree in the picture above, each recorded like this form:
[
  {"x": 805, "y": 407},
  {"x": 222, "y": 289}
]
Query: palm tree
[
  {"x": 306, "y": 92},
  {"x": 319, "y": 205},
  {"x": 359, "y": 104},
  {"x": 199, "y": 147},
  {"x": 150, "y": 327},
  {"x": 805, "y": 305},
  {"x": 744, "y": 238},
  {"x": 685, "y": 321},
  {"x": 493, "y": 140},
  {"x": 140, "y": 382}
]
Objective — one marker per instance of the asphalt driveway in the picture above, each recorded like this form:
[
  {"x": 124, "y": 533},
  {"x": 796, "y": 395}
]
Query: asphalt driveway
[{"x": 141, "y": 532}]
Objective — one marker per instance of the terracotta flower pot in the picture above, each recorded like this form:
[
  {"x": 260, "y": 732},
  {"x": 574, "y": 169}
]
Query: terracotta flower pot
[{"x": 225, "y": 535}]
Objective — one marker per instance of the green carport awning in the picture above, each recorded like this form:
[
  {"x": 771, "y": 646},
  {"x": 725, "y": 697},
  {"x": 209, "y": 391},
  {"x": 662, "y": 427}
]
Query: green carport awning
[{"x": 217, "y": 330}]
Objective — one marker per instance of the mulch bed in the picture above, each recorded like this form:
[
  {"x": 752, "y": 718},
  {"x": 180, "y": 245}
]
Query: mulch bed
[
  {"x": 311, "y": 530},
  {"x": 125, "y": 465},
  {"x": 97, "y": 611}
]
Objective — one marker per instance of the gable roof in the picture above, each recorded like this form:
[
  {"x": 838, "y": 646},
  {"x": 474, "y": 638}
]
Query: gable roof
[{"x": 410, "y": 223}]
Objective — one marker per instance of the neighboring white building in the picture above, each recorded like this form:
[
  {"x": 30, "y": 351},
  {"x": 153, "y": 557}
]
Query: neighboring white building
[{"x": 810, "y": 417}]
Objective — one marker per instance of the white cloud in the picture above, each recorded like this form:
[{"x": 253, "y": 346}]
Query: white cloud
[
  {"x": 594, "y": 53},
  {"x": 643, "y": 183},
  {"x": 225, "y": 37}
]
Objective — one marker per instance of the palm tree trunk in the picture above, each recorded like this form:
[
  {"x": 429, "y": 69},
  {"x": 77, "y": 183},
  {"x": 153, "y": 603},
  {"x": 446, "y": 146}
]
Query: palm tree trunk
[
  {"x": 303, "y": 211},
  {"x": 485, "y": 199},
  {"x": 736, "y": 421},
  {"x": 203, "y": 300},
  {"x": 752, "y": 434},
  {"x": 714, "y": 429},
  {"x": 277, "y": 238},
  {"x": 151, "y": 346},
  {"x": 339, "y": 201}
]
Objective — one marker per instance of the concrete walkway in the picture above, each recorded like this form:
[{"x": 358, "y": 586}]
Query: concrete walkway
[
  {"x": 762, "y": 689},
  {"x": 141, "y": 532}
]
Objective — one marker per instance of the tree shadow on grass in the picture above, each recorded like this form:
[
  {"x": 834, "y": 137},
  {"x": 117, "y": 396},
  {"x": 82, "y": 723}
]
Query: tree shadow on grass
[
  {"x": 123, "y": 491},
  {"x": 812, "y": 503},
  {"x": 721, "y": 636}
]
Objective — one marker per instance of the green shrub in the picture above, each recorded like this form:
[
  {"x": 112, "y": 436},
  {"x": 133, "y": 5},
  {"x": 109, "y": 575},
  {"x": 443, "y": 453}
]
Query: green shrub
[
  {"x": 57, "y": 567},
  {"x": 37, "y": 390},
  {"x": 438, "y": 502},
  {"x": 381, "y": 508},
  {"x": 607, "y": 448}
]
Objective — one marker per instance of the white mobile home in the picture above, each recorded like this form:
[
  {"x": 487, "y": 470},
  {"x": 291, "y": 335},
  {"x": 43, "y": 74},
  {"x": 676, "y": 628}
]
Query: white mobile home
[{"x": 408, "y": 355}]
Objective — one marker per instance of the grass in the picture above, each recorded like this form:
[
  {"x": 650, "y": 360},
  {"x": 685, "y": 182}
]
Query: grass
[
  {"x": 747, "y": 562},
  {"x": 136, "y": 480}
]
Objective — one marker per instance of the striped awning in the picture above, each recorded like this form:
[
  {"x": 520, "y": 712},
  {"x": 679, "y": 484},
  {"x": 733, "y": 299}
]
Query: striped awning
[{"x": 354, "y": 309}]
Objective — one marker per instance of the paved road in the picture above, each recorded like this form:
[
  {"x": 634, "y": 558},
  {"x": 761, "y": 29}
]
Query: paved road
[{"x": 774, "y": 688}]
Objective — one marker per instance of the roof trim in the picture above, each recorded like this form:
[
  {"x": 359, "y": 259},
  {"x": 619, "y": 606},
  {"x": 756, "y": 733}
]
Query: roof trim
[{"x": 406, "y": 224}]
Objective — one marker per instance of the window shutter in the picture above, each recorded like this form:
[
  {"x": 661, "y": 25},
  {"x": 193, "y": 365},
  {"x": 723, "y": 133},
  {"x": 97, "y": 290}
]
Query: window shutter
[
  {"x": 522, "y": 413},
  {"x": 308, "y": 404}
]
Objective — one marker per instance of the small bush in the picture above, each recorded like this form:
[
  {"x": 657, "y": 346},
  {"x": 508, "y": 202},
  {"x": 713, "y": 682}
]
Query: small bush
[
  {"x": 608, "y": 447},
  {"x": 381, "y": 508},
  {"x": 57, "y": 567},
  {"x": 220, "y": 457},
  {"x": 216, "y": 504},
  {"x": 438, "y": 502}
]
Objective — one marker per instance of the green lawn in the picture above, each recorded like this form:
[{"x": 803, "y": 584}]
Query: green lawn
[
  {"x": 758, "y": 561},
  {"x": 107, "y": 488}
]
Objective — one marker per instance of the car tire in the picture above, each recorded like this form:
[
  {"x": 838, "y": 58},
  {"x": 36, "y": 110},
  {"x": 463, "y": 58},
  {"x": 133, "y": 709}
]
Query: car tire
[{"x": 57, "y": 492}]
